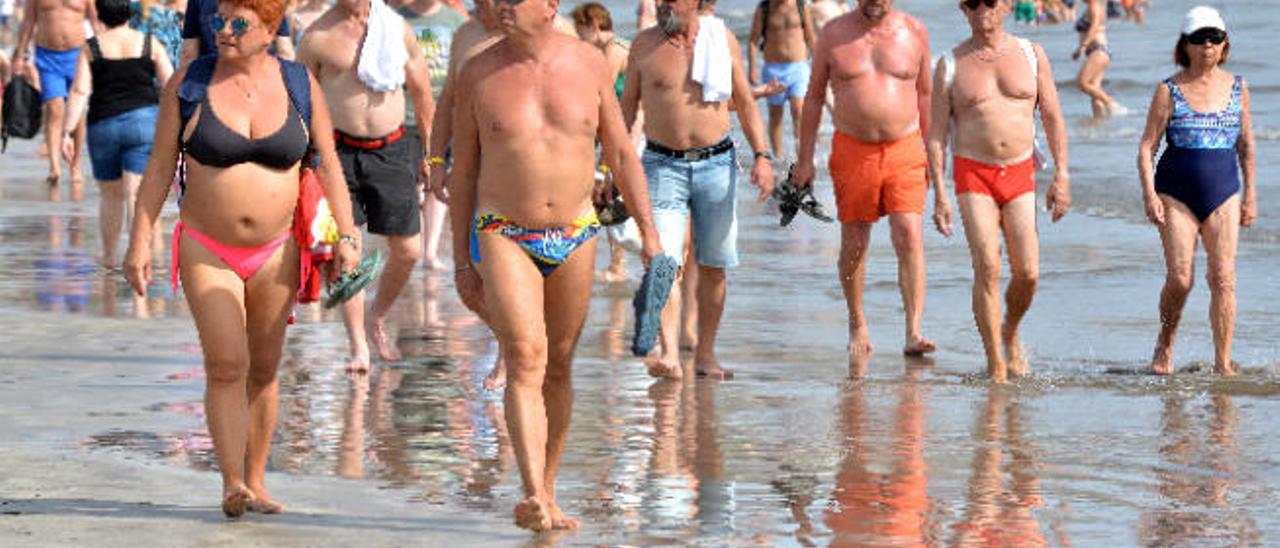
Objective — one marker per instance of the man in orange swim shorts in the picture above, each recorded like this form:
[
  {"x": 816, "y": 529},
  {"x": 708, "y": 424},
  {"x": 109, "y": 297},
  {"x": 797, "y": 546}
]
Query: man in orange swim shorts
[
  {"x": 876, "y": 59},
  {"x": 987, "y": 90}
]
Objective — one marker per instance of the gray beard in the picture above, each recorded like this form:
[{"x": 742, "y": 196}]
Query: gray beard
[{"x": 671, "y": 24}]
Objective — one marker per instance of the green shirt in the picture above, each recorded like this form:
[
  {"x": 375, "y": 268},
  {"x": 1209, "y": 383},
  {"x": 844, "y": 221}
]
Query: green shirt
[{"x": 435, "y": 36}]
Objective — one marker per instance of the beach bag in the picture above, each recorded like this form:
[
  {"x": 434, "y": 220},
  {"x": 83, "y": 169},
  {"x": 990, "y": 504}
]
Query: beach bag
[
  {"x": 22, "y": 111},
  {"x": 314, "y": 228}
]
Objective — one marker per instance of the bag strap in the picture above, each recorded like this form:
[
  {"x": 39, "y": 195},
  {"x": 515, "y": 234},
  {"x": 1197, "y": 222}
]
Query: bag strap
[
  {"x": 194, "y": 88},
  {"x": 146, "y": 45},
  {"x": 298, "y": 84}
]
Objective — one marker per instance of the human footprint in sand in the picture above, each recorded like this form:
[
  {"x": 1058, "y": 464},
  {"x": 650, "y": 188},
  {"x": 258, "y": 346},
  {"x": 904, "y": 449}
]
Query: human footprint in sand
[
  {"x": 987, "y": 90},
  {"x": 239, "y": 267},
  {"x": 379, "y": 154},
  {"x": 527, "y": 114},
  {"x": 876, "y": 60},
  {"x": 691, "y": 165}
]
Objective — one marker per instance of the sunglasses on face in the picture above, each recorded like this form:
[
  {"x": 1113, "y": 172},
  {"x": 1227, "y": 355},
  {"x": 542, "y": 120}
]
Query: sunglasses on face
[
  {"x": 511, "y": 2},
  {"x": 239, "y": 25},
  {"x": 973, "y": 4},
  {"x": 1211, "y": 36}
]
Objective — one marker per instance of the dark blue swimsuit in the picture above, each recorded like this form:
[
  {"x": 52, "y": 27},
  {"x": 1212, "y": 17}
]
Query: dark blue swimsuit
[{"x": 1199, "y": 168}]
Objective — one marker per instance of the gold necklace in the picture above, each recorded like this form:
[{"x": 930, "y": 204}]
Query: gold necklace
[{"x": 995, "y": 52}]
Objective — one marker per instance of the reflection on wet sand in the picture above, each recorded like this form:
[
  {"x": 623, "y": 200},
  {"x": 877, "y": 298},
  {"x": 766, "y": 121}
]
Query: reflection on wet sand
[
  {"x": 999, "y": 512},
  {"x": 881, "y": 493},
  {"x": 1199, "y": 471}
]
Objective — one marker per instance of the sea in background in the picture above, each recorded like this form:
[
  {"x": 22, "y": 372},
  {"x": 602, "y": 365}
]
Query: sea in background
[{"x": 797, "y": 450}]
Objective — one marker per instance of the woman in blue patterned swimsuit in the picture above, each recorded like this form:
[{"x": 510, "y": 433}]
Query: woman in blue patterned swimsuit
[
  {"x": 163, "y": 22},
  {"x": 1203, "y": 112}
]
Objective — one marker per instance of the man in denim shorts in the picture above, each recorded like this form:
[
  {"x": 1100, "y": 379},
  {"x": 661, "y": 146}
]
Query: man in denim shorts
[{"x": 690, "y": 163}]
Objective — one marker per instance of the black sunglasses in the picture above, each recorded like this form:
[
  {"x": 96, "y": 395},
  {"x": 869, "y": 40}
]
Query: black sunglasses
[
  {"x": 1211, "y": 36},
  {"x": 973, "y": 4}
]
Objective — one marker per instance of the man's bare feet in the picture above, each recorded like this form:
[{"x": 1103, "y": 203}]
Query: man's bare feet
[
  {"x": 377, "y": 330},
  {"x": 107, "y": 262},
  {"x": 434, "y": 265},
  {"x": 359, "y": 362},
  {"x": 998, "y": 374},
  {"x": 860, "y": 343},
  {"x": 1228, "y": 370},
  {"x": 558, "y": 518},
  {"x": 533, "y": 515},
  {"x": 53, "y": 179},
  {"x": 1162, "y": 360},
  {"x": 262, "y": 502},
  {"x": 236, "y": 500},
  {"x": 710, "y": 369},
  {"x": 497, "y": 378},
  {"x": 1014, "y": 358},
  {"x": 665, "y": 369},
  {"x": 918, "y": 345}
]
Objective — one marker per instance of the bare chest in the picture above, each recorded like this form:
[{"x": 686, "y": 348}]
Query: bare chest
[
  {"x": 784, "y": 17},
  {"x": 527, "y": 106},
  {"x": 861, "y": 58},
  {"x": 54, "y": 6},
  {"x": 978, "y": 81},
  {"x": 666, "y": 74}
]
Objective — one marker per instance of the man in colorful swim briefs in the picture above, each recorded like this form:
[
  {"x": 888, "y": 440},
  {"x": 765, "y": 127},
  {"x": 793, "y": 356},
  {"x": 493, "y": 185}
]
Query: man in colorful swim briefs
[
  {"x": 784, "y": 30},
  {"x": 383, "y": 161},
  {"x": 691, "y": 165},
  {"x": 527, "y": 113},
  {"x": 876, "y": 59},
  {"x": 58, "y": 27},
  {"x": 987, "y": 90}
]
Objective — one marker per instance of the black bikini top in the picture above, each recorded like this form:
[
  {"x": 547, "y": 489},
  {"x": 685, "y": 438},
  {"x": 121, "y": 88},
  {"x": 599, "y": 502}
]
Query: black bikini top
[{"x": 214, "y": 144}]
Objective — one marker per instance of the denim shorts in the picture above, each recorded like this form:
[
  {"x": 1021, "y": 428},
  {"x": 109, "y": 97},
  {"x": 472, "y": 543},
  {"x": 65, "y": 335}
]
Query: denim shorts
[
  {"x": 121, "y": 143},
  {"x": 705, "y": 189}
]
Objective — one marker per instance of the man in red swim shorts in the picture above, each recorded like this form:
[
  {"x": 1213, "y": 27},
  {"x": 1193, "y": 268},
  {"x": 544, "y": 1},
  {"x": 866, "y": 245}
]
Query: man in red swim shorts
[
  {"x": 987, "y": 90},
  {"x": 876, "y": 59}
]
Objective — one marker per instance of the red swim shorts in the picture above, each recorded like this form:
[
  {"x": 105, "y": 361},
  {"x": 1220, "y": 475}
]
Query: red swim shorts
[
  {"x": 872, "y": 180},
  {"x": 1002, "y": 183}
]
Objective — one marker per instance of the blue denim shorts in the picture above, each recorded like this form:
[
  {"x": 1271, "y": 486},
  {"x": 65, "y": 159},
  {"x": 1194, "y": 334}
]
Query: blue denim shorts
[
  {"x": 704, "y": 189},
  {"x": 121, "y": 143}
]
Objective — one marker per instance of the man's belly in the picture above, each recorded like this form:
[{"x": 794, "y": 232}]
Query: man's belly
[
  {"x": 996, "y": 137},
  {"x": 875, "y": 116},
  {"x": 363, "y": 113},
  {"x": 60, "y": 32},
  {"x": 679, "y": 129}
]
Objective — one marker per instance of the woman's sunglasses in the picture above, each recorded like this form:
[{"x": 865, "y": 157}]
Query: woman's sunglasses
[
  {"x": 973, "y": 4},
  {"x": 1210, "y": 36},
  {"x": 239, "y": 25}
]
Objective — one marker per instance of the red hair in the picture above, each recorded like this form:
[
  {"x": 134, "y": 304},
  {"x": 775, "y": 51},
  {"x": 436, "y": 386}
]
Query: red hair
[{"x": 271, "y": 12}]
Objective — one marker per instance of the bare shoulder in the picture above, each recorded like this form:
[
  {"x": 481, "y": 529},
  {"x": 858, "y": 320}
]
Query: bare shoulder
[
  {"x": 482, "y": 64},
  {"x": 911, "y": 23},
  {"x": 647, "y": 40},
  {"x": 319, "y": 31}
]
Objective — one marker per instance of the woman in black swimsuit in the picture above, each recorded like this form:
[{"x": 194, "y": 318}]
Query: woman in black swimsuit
[{"x": 244, "y": 137}]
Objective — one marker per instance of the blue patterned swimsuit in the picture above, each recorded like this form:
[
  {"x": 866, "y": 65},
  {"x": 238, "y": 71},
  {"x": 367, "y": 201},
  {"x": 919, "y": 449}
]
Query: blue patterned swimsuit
[{"x": 1199, "y": 167}]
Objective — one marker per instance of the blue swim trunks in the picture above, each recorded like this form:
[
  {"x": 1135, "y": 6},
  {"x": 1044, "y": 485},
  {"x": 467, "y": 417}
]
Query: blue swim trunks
[
  {"x": 795, "y": 76},
  {"x": 57, "y": 70}
]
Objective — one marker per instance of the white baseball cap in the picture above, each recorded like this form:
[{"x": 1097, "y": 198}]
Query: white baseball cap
[{"x": 1202, "y": 17}]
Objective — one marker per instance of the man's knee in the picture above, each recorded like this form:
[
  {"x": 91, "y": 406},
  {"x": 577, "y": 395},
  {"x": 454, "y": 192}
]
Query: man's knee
[
  {"x": 711, "y": 275},
  {"x": 1221, "y": 280},
  {"x": 1024, "y": 276},
  {"x": 986, "y": 274},
  {"x": 224, "y": 368},
  {"x": 405, "y": 250},
  {"x": 526, "y": 360},
  {"x": 113, "y": 192},
  {"x": 907, "y": 236},
  {"x": 1179, "y": 281}
]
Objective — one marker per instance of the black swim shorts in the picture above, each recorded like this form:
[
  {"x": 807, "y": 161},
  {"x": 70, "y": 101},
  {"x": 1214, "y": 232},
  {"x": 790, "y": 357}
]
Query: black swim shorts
[{"x": 383, "y": 181}]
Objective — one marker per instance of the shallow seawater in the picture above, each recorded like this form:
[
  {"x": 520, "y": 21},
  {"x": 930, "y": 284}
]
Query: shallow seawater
[{"x": 802, "y": 448}]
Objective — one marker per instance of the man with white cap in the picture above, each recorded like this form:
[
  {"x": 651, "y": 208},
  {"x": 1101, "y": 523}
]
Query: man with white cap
[{"x": 1195, "y": 190}]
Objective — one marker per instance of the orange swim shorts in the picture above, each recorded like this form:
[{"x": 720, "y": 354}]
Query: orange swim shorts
[
  {"x": 872, "y": 180},
  {"x": 1002, "y": 183}
]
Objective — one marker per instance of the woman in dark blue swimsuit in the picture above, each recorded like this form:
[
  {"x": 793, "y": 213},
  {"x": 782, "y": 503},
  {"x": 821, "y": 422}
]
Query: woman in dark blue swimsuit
[{"x": 1195, "y": 190}]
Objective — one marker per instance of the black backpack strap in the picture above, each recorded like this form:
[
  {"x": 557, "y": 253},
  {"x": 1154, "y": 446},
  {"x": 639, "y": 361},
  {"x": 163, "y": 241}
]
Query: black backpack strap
[
  {"x": 95, "y": 52},
  {"x": 298, "y": 83},
  {"x": 194, "y": 88},
  {"x": 764, "y": 22}
]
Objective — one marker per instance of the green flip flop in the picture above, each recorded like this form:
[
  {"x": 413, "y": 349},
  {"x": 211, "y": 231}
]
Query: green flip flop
[{"x": 347, "y": 285}]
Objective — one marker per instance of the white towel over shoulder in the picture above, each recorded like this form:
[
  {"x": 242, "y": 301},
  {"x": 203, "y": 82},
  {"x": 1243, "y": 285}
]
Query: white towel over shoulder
[
  {"x": 383, "y": 55},
  {"x": 712, "y": 63}
]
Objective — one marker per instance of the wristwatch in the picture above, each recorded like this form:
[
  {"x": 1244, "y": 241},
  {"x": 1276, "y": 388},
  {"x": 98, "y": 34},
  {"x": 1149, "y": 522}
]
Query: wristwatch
[
  {"x": 350, "y": 240},
  {"x": 764, "y": 154}
]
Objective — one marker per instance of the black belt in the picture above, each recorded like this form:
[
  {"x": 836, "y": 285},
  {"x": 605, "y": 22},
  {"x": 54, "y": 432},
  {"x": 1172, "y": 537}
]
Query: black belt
[{"x": 692, "y": 154}]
